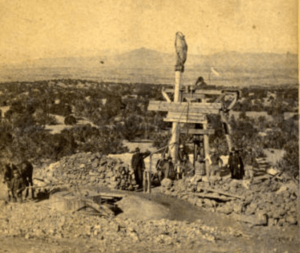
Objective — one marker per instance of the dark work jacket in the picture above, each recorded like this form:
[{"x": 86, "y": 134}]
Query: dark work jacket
[
  {"x": 181, "y": 154},
  {"x": 168, "y": 167},
  {"x": 8, "y": 175},
  {"x": 235, "y": 166},
  {"x": 137, "y": 161}
]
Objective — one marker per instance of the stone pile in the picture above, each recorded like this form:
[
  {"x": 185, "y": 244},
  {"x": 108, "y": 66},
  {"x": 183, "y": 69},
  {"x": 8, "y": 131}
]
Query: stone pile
[
  {"x": 90, "y": 169},
  {"x": 41, "y": 221},
  {"x": 270, "y": 196}
]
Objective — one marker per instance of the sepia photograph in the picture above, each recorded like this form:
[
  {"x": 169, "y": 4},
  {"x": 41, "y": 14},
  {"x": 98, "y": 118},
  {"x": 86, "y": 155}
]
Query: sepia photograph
[{"x": 149, "y": 126}]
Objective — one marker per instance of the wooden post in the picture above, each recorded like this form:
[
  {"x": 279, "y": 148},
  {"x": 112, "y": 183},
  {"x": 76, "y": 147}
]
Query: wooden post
[
  {"x": 206, "y": 151},
  {"x": 206, "y": 145},
  {"x": 149, "y": 175},
  {"x": 145, "y": 181},
  {"x": 227, "y": 130},
  {"x": 175, "y": 126}
]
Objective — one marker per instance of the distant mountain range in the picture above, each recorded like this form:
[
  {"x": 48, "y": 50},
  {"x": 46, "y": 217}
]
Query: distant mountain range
[{"x": 150, "y": 66}]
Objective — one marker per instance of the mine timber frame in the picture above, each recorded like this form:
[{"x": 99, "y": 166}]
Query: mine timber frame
[{"x": 194, "y": 111}]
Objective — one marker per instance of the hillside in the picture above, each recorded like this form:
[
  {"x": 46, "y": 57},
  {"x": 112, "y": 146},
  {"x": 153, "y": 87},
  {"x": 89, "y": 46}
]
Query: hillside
[{"x": 150, "y": 66}]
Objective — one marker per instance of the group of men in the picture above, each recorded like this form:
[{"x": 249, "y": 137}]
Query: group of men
[
  {"x": 18, "y": 178},
  {"x": 165, "y": 168}
]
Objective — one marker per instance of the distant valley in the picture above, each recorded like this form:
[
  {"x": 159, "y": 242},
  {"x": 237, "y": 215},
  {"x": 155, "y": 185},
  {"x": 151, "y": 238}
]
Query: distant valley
[{"x": 149, "y": 66}]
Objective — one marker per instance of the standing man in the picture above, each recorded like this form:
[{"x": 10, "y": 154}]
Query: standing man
[
  {"x": 26, "y": 171},
  {"x": 235, "y": 165},
  {"x": 170, "y": 172},
  {"x": 160, "y": 167},
  {"x": 187, "y": 168},
  {"x": 241, "y": 171},
  {"x": 200, "y": 166},
  {"x": 17, "y": 186},
  {"x": 138, "y": 166},
  {"x": 8, "y": 176},
  {"x": 181, "y": 153}
]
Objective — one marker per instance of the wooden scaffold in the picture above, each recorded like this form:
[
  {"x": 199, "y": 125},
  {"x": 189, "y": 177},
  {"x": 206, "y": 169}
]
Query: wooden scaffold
[{"x": 190, "y": 106}]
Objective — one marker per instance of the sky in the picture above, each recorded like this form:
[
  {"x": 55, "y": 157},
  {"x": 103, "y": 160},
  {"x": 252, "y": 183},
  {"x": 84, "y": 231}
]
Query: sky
[{"x": 33, "y": 29}]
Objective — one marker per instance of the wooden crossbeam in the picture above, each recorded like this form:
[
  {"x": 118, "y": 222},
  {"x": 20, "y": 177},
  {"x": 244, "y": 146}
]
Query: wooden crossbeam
[
  {"x": 186, "y": 117},
  {"x": 209, "y": 92},
  {"x": 185, "y": 120},
  {"x": 197, "y": 131},
  {"x": 206, "y": 92},
  {"x": 212, "y": 108},
  {"x": 192, "y": 95}
]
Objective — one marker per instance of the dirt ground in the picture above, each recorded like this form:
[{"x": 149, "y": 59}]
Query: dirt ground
[{"x": 141, "y": 206}]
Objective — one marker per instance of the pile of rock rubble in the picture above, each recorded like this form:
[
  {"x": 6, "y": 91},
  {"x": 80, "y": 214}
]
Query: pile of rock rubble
[
  {"x": 43, "y": 221},
  {"x": 91, "y": 169},
  {"x": 269, "y": 195}
]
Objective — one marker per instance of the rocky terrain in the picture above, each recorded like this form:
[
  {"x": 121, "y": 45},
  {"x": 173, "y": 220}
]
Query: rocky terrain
[
  {"x": 265, "y": 195},
  {"x": 179, "y": 216}
]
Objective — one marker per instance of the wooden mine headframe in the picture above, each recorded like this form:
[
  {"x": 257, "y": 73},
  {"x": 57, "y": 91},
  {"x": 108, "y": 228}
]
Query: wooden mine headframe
[{"x": 194, "y": 110}]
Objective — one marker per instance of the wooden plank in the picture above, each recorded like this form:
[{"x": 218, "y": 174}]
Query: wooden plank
[
  {"x": 185, "y": 120},
  {"x": 172, "y": 114},
  {"x": 212, "y": 196},
  {"x": 197, "y": 131},
  {"x": 206, "y": 92},
  {"x": 232, "y": 104},
  {"x": 210, "y": 92},
  {"x": 259, "y": 219},
  {"x": 219, "y": 98},
  {"x": 192, "y": 95},
  {"x": 212, "y": 108},
  {"x": 165, "y": 95},
  {"x": 222, "y": 192},
  {"x": 186, "y": 117}
]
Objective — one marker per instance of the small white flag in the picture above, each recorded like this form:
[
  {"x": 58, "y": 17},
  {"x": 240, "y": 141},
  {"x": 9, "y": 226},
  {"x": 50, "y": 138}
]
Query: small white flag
[{"x": 214, "y": 71}]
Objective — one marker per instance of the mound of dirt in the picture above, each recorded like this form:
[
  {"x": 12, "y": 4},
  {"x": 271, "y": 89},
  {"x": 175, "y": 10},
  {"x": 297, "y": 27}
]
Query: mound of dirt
[{"x": 136, "y": 208}]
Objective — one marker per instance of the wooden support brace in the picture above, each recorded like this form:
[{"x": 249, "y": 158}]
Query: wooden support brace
[
  {"x": 197, "y": 131},
  {"x": 219, "y": 98},
  {"x": 205, "y": 92},
  {"x": 232, "y": 104},
  {"x": 166, "y": 97},
  {"x": 211, "y": 108}
]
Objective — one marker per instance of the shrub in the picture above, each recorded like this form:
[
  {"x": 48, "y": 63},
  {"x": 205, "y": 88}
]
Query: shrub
[
  {"x": 70, "y": 120},
  {"x": 290, "y": 161},
  {"x": 45, "y": 119}
]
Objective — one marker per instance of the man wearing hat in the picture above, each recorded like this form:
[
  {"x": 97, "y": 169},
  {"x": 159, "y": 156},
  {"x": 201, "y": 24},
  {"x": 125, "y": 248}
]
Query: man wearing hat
[
  {"x": 138, "y": 165},
  {"x": 235, "y": 164},
  {"x": 160, "y": 167},
  {"x": 8, "y": 176},
  {"x": 170, "y": 171},
  {"x": 181, "y": 153},
  {"x": 17, "y": 185}
]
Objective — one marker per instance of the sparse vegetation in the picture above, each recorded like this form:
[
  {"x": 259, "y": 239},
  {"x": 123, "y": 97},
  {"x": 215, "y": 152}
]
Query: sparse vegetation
[{"x": 119, "y": 112}]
